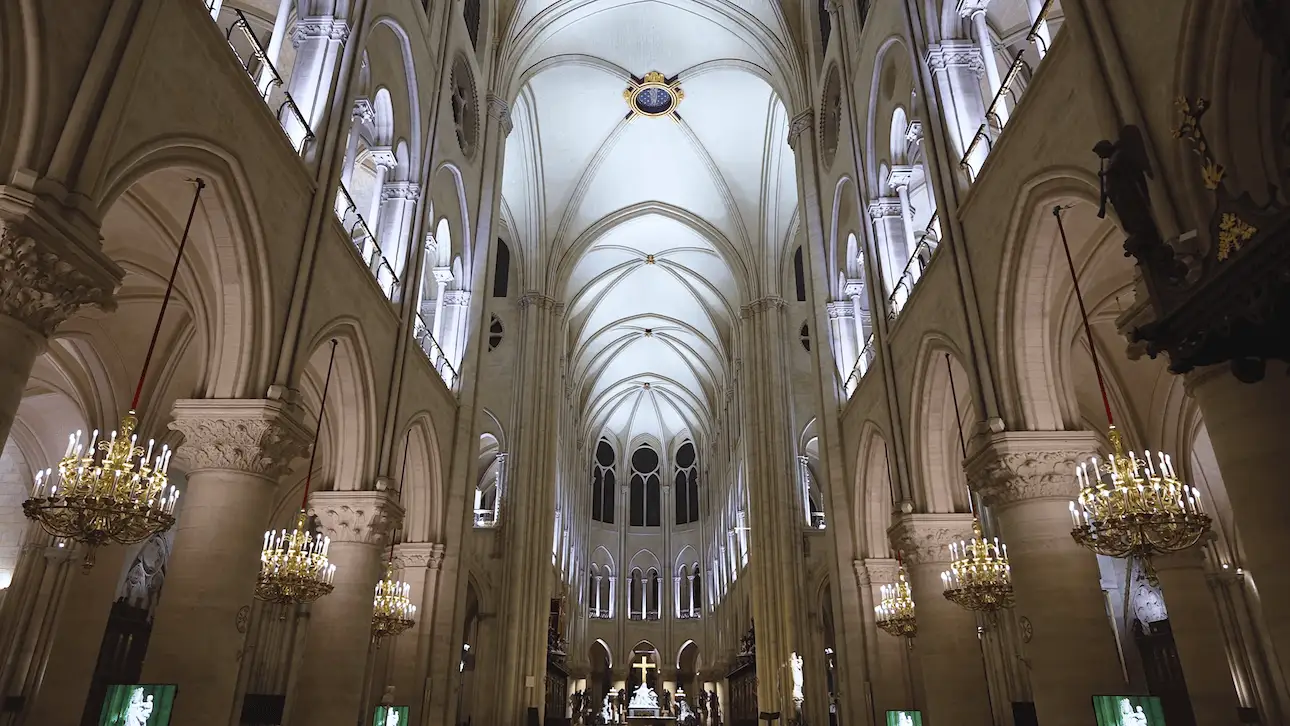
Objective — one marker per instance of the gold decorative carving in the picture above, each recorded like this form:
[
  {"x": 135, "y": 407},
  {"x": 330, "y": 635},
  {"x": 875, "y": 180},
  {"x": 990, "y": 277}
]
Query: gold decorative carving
[{"x": 1233, "y": 233}]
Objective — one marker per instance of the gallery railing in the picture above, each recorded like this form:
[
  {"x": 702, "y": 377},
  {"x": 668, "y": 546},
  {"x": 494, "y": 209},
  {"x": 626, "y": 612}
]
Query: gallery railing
[
  {"x": 433, "y": 352},
  {"x": 365, "y": 242},
  {"x": 863, "y": 362},
  {"x": 267, "y": 81}
]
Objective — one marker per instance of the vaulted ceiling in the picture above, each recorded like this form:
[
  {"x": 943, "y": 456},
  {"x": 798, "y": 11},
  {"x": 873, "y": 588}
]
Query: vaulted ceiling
[{"x": 652, "y": 229}]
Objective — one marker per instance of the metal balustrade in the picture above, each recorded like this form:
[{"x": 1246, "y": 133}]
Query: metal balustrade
[
  {"x": 992, "y": 125},
  {"x": 364, "y": 242},
  {"x": 268, "y": 82},
  {"x": 924, "y": 249},
  {"x": 862, "y": 365},
  {"x": 434, "y": 353}
]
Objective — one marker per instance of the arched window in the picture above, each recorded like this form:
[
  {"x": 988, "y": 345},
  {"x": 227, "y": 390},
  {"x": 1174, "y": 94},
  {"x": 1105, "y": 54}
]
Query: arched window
[
  {"x": 686, "y": 484},
  {"x": 593, "y": 591},
  {"x": 826, "y": 24},
  {"x": 470, "y": 13},
  {"x": 683, "y": 592},
  {"x": 696, "y": 589},
  {"x": 799, "y": 274},
  {"x": 603, "y": 484},
  {"x": 654, "y": 583},
  {"x": 635, "y": 598},
  {"x": 502, "y": 269},
  {"x": 645, "y": 503}
]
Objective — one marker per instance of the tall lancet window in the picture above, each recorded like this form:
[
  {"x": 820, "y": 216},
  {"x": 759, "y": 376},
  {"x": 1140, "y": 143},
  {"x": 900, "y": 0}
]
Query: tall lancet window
[
  {"x": 646, "y": 499},
  {"x": 654, "y": 594},
  {"x": 686, "y": 484},
  {"x": 635, "y": 598},
  {"x": 603, "y": 483}
]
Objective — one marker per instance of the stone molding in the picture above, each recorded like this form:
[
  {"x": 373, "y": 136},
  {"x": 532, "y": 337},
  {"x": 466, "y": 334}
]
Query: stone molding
[
  {"x": 402, "y": 190},
  {"x": 414, "y": 555},
  {"x": 882, "y": 571},
  {"x": 363, "y": 111},
  {"x": 254, "y": 436},
  {"x": 799, "y": 124},
  {"x": 841, "y": 309},
  {"x": 1019, "y": 466},
  {"x": 533, "y": 298},
  {"x": 325, "y": 27},
  {"x": 382, "y": 156},
  {"x": 360, "y": 516},
  {"x": 500, "y": 110},
  {"x": 456, "y": 298},
  {"x": 40, "y": 289},
  {"x": 925, "y": 538},
  {"x": 853, "y": 286},
  {"x": 442, "y": 275},
  {"x": 761, "y": 305},
  {"x": 899, "y": 176},
  {"x": 884, "y": 207},
  {"x": 955, "y": 54}
]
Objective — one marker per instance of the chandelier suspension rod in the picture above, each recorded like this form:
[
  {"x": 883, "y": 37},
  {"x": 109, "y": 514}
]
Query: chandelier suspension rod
[
  {"x": 1083, "y": 312},
  {"x": 403, "y": 471},
  {"x": 165, "y": 300},
  {"x": 322, "y": 407}
]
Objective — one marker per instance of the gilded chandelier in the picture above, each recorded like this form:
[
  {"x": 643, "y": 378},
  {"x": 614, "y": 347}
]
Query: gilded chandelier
[
  {"x": 895, "y": 614},
  {"x": 1135, "y": 507},
  {"x": 393, "y": 612},
  {"x": 109, "y": 490},
  {"x": 979, "y": 577},
  {"x": 112, "y": 490},
  {"x": 294, "y": 567}
]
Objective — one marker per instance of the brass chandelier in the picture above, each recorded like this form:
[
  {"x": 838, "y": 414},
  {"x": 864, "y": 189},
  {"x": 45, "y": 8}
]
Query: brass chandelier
[
  {"x": 1128, "y": 506},
  {"x": 112, "y": 489},
  {"x": 895, "y": 613},
  {"x": 393, "y": 611},
  {"x": 294, "y": 567},
  {"x": 980, "y": 577}
]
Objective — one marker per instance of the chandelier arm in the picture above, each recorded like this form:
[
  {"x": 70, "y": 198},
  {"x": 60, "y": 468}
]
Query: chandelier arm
[
  {"x": 322, "y": 407},
  {"x": 165, "y": 300},
  {"x": 1083, "y": 312}
]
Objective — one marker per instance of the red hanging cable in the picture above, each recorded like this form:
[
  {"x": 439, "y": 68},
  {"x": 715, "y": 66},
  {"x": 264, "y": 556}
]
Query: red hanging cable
[
  {"x": 1083, "y": 312},
  {"x": 322, "y": 406},
  {"x": 165, "y": 301}
]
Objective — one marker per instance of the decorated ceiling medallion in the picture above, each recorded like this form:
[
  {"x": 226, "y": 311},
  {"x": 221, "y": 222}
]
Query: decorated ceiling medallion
[{"x": 653, "y": 95}]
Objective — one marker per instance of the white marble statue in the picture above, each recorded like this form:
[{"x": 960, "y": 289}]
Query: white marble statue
[
  {"x": 795, "y": 663},
  {"x": 644, "y": 699},
  {"x": 607, "y": 712},
  {"x": 139, "y": 710},
  {"x": 1129, "y": 716},
  {"x": 686, "y": 713},
  {"x": 392, "y": 717},
  {"x": 906, "y": 719}
]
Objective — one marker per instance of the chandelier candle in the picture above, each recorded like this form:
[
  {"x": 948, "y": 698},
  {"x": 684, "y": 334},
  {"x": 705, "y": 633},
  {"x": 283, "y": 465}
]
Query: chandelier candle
[
  {"x": 895, "y": 614},
  {"x": 980, "y": 576}
]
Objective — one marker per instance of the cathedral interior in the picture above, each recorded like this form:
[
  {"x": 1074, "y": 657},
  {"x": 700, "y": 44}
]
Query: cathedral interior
[{"x": 644, "y": 362}]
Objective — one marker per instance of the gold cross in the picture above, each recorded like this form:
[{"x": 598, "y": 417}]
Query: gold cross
[{"x": 644, "y": 667}]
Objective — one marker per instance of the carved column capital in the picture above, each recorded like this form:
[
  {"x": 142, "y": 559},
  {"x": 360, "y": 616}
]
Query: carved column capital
[
  {"x": 761, "y": 305},
  {"x": 323, "y": 27},
  {"x": 499, "y": 109},
  {"x": 925, "y": 538},
  {"x": 362, "y": 517},
  {"x": 899, "y": 176},
  {"x": 1017, "y": 466},
  {"x": 884, "y": 207},
  {"x": 418, "y": 555},
  {"x": 41, "y": 286},
  {"x": 255, "y": 436},
  {"x": 801, "y": 123},
  {"x": 879, "y": 571},
  {"x": 955, "y": 54}
]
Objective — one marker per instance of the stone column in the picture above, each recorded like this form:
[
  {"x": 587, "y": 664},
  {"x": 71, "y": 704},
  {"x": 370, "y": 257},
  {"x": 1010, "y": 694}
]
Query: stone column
[
  {"x": 948, "y": 650},
  {"x": 889, "y": 686},
  {"x": 1198, "y": 636},
  {"x": 775, "y": 551},
  {"x": 975, "y": 9},
  {"x": 45, "y": 277},
  {"x": 416, "y": 563},
  {"x": 898, "y": 180},
  {"x": 329, "y": 689},
  {"x": 318, "y": 42},
  {"x": 956, "y": 69},
  {"x": 890, "y": 235},
  {"x": 275, "y": 46},
  {"x": 234, "y": 451},
  {"x": 59, "y": 678},
  {"x": 1028, "y": 481},
  {"x": 1247, "y": 424}
]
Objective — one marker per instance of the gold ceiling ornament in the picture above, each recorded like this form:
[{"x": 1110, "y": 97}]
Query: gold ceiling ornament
[
  {"x": 393, "y": 611},
  {"x": 294, "y": 567},
  {"x": 1233, "y": 233},
  {"x": 980, "y": 577},
  {"x": 895, "y": 613},
  {"x": 1190, "y": 129},
  {"x": 1135, "y": 507},
  {"x": 653, "y": 96},
  {"x": 112, "y": 490},
  {"x": 1129, "y": 507}
]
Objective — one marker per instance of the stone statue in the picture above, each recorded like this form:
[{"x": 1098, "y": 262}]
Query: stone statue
[
  {"x": 686, "y": 716},
  {"x": 1129, "y": 716},
  {"x": 667, "y": 700},
  {"x": 644, "y": 699},
  {"x": 795, "y": 664},
  {"x": 139, "y": 710},
  {"x": 607, "y": 710},
  {"x": 392, "y": 717},
  {"x": 387, "y": 698},
  {"x": 142, "y": 585}
]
